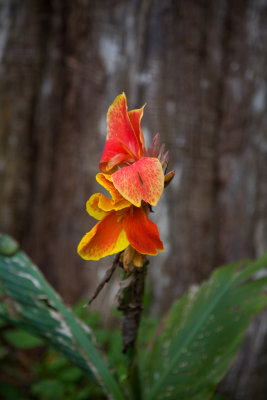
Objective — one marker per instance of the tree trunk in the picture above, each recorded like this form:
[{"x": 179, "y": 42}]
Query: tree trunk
[{"x": 201, "y": 67}]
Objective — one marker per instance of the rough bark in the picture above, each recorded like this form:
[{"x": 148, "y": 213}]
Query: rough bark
[{"x": 201, "y": 67}]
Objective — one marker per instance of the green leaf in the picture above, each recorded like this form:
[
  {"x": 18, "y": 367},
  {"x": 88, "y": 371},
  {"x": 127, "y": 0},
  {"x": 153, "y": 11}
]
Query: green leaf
[
  {"x": 41, "y": 312},
  {"x": 22, "y": 339},
  {"x": 70, "y": 374},
  {"x": 202, "y": 334},
  {"x": 48, "y": 389}
]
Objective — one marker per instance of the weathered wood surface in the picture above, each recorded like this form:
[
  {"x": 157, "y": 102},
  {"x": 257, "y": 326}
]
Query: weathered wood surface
[{"x": 201, "y": 67}]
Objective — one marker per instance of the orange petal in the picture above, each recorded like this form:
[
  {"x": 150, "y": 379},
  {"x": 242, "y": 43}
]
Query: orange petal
[
  {"x": 106, "y": 238},
  {"x": 135, "y": 117},
  {"x": 144, "y": 180},
  {"x": 142, "y": 233}
]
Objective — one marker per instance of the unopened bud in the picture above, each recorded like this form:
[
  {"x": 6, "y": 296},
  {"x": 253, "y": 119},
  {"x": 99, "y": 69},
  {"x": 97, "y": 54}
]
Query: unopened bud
[{"x": 168, "y": 178}]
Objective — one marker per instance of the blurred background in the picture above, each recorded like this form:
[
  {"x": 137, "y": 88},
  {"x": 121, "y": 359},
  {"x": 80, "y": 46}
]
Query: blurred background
[{"x": 201, "y": 67}]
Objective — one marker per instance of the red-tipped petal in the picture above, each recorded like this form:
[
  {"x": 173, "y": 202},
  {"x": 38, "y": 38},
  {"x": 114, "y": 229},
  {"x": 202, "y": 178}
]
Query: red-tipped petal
[
  {"x": 144, "y": 180},
  {"x": 119, "y": 126},
  {"x": 142, "y": 233},
  {"x": 106, "y": 238}
]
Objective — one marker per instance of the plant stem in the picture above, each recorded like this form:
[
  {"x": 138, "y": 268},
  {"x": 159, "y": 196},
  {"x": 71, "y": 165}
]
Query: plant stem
[{"x": 131, "y": 305}]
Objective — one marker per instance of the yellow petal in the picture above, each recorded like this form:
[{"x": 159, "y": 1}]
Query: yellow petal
[{"x": 92, "y": 207}]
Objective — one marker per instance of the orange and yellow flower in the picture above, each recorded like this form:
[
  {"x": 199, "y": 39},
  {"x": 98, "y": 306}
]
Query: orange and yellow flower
[
  {"x": 135, "y": 181},
  {"x": 121, "y": 224}
]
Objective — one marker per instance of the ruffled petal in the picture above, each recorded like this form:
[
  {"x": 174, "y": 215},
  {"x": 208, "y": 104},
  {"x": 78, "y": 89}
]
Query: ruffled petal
[
  {"x": 107, "y": 237},
  {"x": 107, "y": 204},
  {"x": 93, "y": 209},
  {"x": 144, "y": 180},
  {"x": 142, "y": 233},
  {"x": 98, "y": 205}
]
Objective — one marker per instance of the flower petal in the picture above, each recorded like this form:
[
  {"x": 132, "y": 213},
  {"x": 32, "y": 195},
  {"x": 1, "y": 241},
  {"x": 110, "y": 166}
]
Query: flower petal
[
  {"x": 107, "y": 204},
  {"x": 119, "y": 126},
  {"x": 135, "y": 117},
  {"x": 107, "y": 237},
  {"x": 98, "y": 205},
  {"x": 93, "y": 209},
  {"x": 118, "y": 201},
  {"x": 125, "y": 141},
  {"x": 114, "y": 154},
  {"x": 105, "y": 180},
  {"x": 142, "y": 233},
  {"x": 144, "y": 180}
]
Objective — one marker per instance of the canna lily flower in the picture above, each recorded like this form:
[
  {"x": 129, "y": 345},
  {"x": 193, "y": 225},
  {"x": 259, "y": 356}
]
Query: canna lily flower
[
  {"x": 125, "y": 142},
  {"x": 122, "y": 225},
  {"x": 135, "y": 180},
  {"x": 135, "y": 174}
]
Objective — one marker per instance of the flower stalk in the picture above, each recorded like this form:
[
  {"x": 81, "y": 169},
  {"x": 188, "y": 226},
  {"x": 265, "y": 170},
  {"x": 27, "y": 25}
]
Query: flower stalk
[{"x": 130, "y": 302}]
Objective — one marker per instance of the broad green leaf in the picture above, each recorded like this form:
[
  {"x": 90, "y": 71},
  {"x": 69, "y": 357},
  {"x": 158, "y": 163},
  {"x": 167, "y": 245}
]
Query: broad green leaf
[
  {"x": 202, "y": 334},
  {"x": 39, "y": 310}
]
